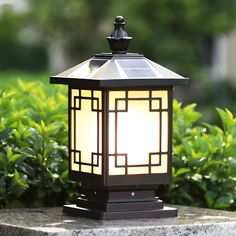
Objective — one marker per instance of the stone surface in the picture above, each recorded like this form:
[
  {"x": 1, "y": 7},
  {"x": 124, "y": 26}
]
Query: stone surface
[{"x": 51, "y": 221}]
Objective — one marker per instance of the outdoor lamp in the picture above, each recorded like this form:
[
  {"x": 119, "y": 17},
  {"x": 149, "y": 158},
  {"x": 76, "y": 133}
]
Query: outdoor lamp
[{"x": 120, "y": 131}]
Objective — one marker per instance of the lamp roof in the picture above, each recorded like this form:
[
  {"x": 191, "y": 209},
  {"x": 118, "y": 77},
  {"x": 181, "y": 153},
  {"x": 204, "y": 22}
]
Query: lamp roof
[{"x": 118, "y": 69}]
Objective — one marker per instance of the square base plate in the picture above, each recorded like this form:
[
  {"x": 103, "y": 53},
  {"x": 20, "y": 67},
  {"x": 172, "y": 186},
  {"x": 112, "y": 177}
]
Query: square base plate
[{"x": 108, "y": 215}]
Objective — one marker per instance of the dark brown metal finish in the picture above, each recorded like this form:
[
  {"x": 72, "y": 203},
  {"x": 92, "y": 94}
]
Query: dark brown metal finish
[
  {"x": 170, "y": 125},
  {"x": 121, "y": 83},
  {"x": 122, "y": 206},
  {"x": 69, "y": 128},
  {"x": 105, "y": 132},
  {"x": 138, "y": 180},
  {"x": 87, "y": 179},
  {"x": 119, "y": 205},
  {"x": 118, "y": 182},
  {"x": 119, "y": 40},
  {"x": 119, "y": 201},
  {"x": 118, "y": 196},
  {"x": 102, "y": 215},
  {"x": 110, "y": 82}
]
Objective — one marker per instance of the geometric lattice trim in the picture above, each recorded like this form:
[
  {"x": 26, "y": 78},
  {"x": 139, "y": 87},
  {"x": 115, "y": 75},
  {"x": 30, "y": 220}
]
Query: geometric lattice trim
[
  {"x": 81, "y": 160},
  {"x": 157, "y": 161}
]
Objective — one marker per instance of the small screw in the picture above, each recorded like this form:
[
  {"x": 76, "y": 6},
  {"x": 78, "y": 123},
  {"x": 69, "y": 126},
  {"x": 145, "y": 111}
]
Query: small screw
[{"x": 133, "y": 194}]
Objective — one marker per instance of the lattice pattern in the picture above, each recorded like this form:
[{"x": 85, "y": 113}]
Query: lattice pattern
[
  {"x": 155, "y": 159},
  {"x": 85, "y": 150}
]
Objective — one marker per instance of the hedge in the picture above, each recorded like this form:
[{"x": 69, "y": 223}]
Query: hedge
[{"x": 33, "y": 152}]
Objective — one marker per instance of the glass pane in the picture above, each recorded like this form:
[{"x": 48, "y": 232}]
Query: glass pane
[
  {"x": 163, "y": 95},
  {"x": 164, "y": 138},
  {"x": 86, "y": 143},
  {"x": 138, "y": 131},
  {"x": 135, "y": 133},
  {"x": 161, "y": 168}
]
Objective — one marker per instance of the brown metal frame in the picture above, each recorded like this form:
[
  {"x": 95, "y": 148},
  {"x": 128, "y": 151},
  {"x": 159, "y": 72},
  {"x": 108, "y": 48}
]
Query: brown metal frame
[
  {"x": 85, "y": 178},
  {"x": 120, "y": 197},
  {"x": 106, "y": 205},
  {"x": 145, "y": 181},
  {"x": 116, "y": 111}
]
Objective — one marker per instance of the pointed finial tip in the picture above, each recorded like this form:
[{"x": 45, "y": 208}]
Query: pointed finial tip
[{"x": 119, "y": 19}]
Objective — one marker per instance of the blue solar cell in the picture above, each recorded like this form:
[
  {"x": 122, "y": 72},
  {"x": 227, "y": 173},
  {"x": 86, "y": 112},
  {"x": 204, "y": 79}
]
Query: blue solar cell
[{"x": 136, "y": 68}]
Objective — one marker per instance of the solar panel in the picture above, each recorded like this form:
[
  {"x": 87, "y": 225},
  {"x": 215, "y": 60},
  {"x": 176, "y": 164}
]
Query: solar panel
[{"x": 136, "y": 68}]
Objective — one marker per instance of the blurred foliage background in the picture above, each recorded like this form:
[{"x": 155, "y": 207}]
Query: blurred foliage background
[
  {"x": 50, "y": 36},
  {"x": 41, "y": 38}
]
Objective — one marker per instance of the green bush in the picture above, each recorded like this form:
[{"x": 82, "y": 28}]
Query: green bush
[
  {"x": 33, "y": 146},
  {"x": 204, "y": 160},
  {"x": 33, "y": 152}
]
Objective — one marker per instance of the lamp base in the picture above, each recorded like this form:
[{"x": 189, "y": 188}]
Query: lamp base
[
  {"x": 104, "y": 205},
  {"x": 102, "y": 215}
]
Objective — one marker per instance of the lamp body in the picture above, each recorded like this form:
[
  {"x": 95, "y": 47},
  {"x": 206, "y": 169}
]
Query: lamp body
[
  {"x": 120, "y": 132},
  {"x": 120, "y": 138},
  {"x": 120, "y": 150}
]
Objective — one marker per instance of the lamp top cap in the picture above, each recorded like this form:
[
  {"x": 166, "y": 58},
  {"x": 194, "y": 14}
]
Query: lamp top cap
[
  {"x": 119, "y": 39},
  {"x": 119, "y": 20}
]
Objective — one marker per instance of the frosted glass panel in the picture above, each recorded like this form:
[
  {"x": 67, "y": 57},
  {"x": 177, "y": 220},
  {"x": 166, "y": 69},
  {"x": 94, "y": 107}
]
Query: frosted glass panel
[
  {"x": 86, "y": 133},
  {"x": 86, "y": 120},
  {"x": 113, "y": 169},
  {"x": 163, "y": 167},
  {"x": 164, "y": 139},
  {"x": 138, "y": 94},
  {"x": 135, "y": 133},
  {"x": 138, "y": 132},
  {"x": 163, "y": 94}
]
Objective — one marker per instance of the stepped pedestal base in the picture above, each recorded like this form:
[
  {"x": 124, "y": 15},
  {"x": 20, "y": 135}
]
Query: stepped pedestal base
[
  {"x": 119, "y": 205},
  {"x": 102, "y": 215}
]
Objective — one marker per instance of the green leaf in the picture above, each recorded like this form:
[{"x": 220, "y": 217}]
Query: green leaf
[
  {"x": 202, "y": 143},
  {"x": 9, "y": 153},
  {"x": 190, "y": 114},
  {"x": 224, "y": 202},
  {"x": 3, "y": 162},
  {"x": 210, "y": 198},
  {"x": 5, "y": 133},
  {"x": 226, "y": 119},
  {"x": 233, "y": 132},
  {"x": 232, "y": 165},
  {"x": 18, "y": 185},
  {"x": 181, "y": 171},
  {"x": 187, "y": 146}
]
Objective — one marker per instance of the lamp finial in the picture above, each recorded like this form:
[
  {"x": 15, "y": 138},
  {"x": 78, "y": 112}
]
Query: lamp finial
[{"x": 119, "y": 39}]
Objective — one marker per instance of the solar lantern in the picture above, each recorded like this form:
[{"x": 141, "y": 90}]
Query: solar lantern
[{"x": 120, "y": 131}]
